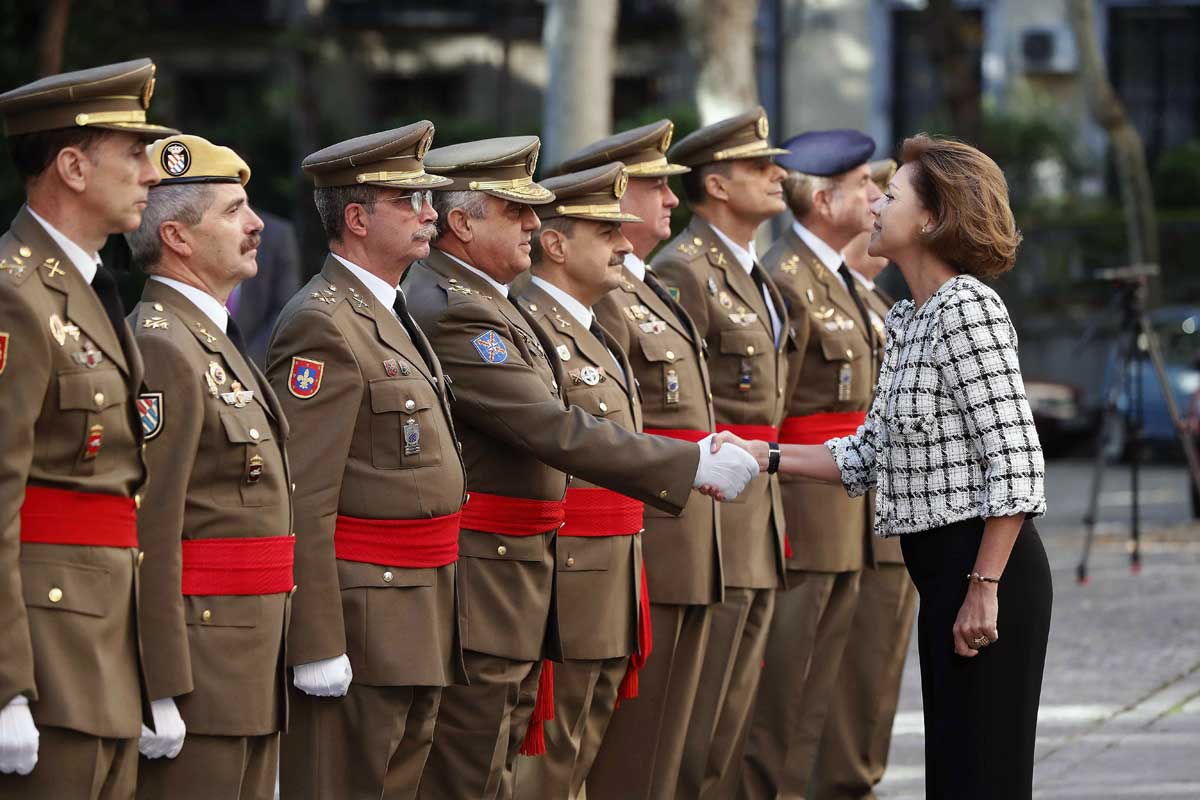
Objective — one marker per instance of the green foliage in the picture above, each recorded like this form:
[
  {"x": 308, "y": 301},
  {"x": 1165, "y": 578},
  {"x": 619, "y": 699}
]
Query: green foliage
[
  {"x": 1019, "y": 139},
  {"x": 1177, "y": 177}
]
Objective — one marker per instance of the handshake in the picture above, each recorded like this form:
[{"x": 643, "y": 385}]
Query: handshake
[{"x": 724, "y": 472}]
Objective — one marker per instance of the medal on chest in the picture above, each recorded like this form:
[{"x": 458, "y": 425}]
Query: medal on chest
[
  {"x": 845, "y": 374},
  {"x": 412, "y": 437},
  {"x": 672, "y": 388}
]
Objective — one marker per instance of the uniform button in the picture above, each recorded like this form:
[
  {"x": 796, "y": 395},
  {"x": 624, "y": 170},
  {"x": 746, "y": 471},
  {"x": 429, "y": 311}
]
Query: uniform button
[
  {"x": 749, "y": 349},
  {"x": 294, "y": 588},
  {"x": 293, "y": 489},
  {"x": 25, "y": 252},
  {"x": 206, "y": 616},
  {"x": 779, "y": 391},
  {"x": 409, "y": 405},
  {"x": 99, "y": 398},
  {"x": 663, "y": 494},
  {"x": 388, "y": 576},
  {"x": 571, "y": 561},
  {"x": 501, "y": 550},
  {"x": 55, "y": 594},
  {"x": 141, "y": 557},
  {"x": 137, "y": 501},
  {"x": 849, "y": 354},
  {"x": 158, "y": 306},
  {"x": 710, "y": 397},
  {"x": 604, "y": 407},
  {"x": 533, "y": 307},
  {"x": 670, "y": 355},
  {"x": 254, "y": 434}
]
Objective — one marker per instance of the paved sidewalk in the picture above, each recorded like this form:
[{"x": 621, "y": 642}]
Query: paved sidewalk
[{"x": 1120, "y": 713}]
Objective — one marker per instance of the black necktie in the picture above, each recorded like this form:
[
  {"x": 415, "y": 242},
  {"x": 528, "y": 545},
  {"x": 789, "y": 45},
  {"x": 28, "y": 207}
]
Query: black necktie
[
  {"x": 105, "y": 287},
  {"x": 851, "y": 287},
  {"x": 602, "y": 337},
  {"x": 235, "y": 335},
  {"x": 400, "y": 306}
]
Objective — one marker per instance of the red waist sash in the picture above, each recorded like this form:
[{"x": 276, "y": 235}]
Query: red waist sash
[
  {"x": 601, "y": 512},
  {"x": 820, "y": 428},
  {"x": 412, "y": 543},
  {"x": 252, "y": 565},
  {"x": 511, "y": 516},
  {"x": 63, "y": 516},
  {"x": 686, "y": 434},
  {"x": 765, "y": 433}
]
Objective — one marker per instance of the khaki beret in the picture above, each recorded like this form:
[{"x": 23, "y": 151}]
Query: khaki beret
[
  {"x": 643, "y": 151},
  {"x": 882, "y": 171},
  {"x": 191, "y": 159},
  {"x": 500, "y": 167},
  {"x": 389, "y": 158},
  {"x": 113, "y": 97},
  {"x": 591, "y": 194},
  {"x": 743, "y": 136}
]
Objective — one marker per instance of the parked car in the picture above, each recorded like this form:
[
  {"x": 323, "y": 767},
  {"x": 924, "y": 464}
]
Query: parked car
[{"x": 1059, "y": 415}]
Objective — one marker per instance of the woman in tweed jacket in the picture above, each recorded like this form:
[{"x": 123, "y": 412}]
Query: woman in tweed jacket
[{"x": 950, "y": 446}]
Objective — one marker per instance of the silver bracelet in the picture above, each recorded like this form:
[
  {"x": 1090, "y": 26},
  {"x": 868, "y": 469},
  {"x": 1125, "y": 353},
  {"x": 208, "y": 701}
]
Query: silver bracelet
[{"x": 975, "y": 577}]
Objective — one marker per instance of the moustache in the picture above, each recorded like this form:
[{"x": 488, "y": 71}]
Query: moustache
[
  {"x": 616, "y": 261},
  {"x": 426, "y": 233},
  {"x": 251, "y": 243}
]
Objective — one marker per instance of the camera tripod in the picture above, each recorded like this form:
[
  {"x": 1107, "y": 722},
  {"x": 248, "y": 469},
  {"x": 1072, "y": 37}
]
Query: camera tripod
[{"x": 1136, "y": 342}]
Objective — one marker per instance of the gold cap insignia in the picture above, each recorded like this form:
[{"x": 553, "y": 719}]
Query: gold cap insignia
[
  {"x": 423, "y": 145},
  {"x": 666, "y": 140},
  {"x": 620, "y": 184},
  {"x": 147, "y": 93},
  {"x": 763, "y": 128},
  {"x": 531, "y": 162}
]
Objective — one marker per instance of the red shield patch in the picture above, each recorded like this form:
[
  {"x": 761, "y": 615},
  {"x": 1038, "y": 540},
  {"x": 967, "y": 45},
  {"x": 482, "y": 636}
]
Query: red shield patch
[
  {"x": 3, "y": 351},
  {"x": 304, "y": 381}
]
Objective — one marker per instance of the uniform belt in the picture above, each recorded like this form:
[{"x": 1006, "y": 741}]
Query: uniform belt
[
  {"x": 63, "y": 516},
  {"x": 820, "y": 428},
  {"x": 413, "y": 543},
  {"x": 686, "y": 434},
  {"x": 511, "y": 516},
  {"x": 601, "y": 512},
  {"x": 765, "y": 433},
  {"x": 248, "y": 565}
]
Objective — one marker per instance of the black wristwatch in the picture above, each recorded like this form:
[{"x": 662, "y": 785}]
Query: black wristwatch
[{"x": 773, "y": 456}]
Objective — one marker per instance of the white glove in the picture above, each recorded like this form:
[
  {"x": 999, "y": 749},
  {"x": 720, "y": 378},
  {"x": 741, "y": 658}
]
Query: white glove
[
  {"x": 18, "y": 737},
  {"x": 727, "y": 471},
  {"x": 329, "y": 677},
  {"x": 167, "y": 737}
]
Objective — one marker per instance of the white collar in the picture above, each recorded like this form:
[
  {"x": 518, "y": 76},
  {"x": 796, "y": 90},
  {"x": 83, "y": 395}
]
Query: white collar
[
  {"x": 582, "y": 314},
  {"x": 376, "y": 285},
  {"x": 867, "y": 283},
  {"x": 636, "y": 266},
  {"x": 831, "y": 258},
  {"x": 745, "y": 257},
  {"x": 201, "y": 299},
  {"x": 499, "y": 287},
  {"x": 86, "y": 264}
]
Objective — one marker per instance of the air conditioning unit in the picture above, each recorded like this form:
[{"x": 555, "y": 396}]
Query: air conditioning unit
[{"x": 1049, "y": 50}]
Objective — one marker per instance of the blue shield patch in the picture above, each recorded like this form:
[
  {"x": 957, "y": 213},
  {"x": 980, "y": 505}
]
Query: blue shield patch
[
  {"x": 491, "y": 347},
  {"x": 150, "y": 409}
]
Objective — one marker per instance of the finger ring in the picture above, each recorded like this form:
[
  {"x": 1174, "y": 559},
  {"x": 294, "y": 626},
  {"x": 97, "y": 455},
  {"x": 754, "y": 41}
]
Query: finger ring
[{"x": 981, "y": 642}]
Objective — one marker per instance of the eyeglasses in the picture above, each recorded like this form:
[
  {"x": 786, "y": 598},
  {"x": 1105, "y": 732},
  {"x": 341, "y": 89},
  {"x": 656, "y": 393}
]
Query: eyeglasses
[{"x": 418, "y": 200}]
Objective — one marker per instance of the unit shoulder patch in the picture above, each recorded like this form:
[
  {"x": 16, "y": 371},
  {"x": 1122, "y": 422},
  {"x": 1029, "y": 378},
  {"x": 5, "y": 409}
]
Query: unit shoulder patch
[
  {"x": 304, "y": 379},
  {"x": 490, "y": 347},
  {"x": 150, "y": 409}
]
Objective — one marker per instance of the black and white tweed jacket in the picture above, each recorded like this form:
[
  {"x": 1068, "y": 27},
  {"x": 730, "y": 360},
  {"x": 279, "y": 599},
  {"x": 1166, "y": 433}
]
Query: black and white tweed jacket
[{"x": 949, "y": 435}]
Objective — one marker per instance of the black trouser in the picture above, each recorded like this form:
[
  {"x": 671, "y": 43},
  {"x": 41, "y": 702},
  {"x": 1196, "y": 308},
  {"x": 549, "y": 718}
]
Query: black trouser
[{"x": 980, "y": 713}]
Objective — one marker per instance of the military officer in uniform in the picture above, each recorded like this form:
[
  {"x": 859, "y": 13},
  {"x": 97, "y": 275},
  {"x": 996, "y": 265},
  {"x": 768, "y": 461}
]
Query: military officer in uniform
[
  {"x": 218, "y": 523},
  {"x": 831, "y": 382},
  {"x": 577, "y": 257},
  {"x": 518, "y": 441},
  {"x": 640, "y": 756},
  {"x": 379, "y": 484},
  {"x": 858, "y": 729},
  {"x": 71, "y": 470},
  {"x": 712, "y": 270}
]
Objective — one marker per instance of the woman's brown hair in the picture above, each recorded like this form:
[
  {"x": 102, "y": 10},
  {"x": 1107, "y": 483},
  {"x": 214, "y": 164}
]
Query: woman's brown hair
[{"x": 973, "y": 226}]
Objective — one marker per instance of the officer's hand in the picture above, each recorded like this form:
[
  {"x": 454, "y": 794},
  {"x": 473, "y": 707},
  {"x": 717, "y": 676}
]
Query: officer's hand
[
  {"x": 18, "y": 737},
  {"x": 167, "y": 737},
  {"x": 329, "y": 677},
  {"x": 724, "y": 474}
]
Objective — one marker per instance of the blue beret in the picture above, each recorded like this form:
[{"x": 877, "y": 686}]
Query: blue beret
[{"x": 827, "y": 153}]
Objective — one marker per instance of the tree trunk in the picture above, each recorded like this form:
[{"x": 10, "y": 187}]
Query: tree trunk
[
  {"x": 50, "y": 38},
  {"x": 579, "y": 39},
  {"x": 950, "y": 53},
  {"x": 1129, "y": 154},
  {"x": 722, "y": 37}
]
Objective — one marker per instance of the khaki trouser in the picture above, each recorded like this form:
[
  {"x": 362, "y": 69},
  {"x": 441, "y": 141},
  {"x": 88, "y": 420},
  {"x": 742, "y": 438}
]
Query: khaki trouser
[
  {"x": 803, "y": 655},
  {"x": 371, "y": 743},
  {"x": 729, "y": 680},
  {"x": 479, "y": 730},
  {"x": 585, "y": 693},
  {"x": 640, "y": 756},
  {"x": 77, "y": 766},
  {"x": 213, "y": 768},
  {"x": 858, "y": 731}
]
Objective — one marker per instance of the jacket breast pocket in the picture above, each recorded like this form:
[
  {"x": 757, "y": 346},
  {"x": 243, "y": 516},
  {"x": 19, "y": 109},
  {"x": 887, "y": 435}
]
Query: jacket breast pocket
[
  {"x": 584, "y": 553},
  {"x": 404, "y": 434},
  {"x": 63, "y": 586},
  {"x": 912, "y": 427},
  {"x": 748, "y": 363},
  {"x": 247, "y": 465},
  {"x": 668, "y": 359},
  {"x": 93, "y": 405},
  {"x": 604, "y": 401},
  {"x": 222, "y": 611}
]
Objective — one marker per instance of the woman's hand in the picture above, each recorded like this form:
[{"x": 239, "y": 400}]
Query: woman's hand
[
  {"x": 976, "y": 620},
  {"x": 755, "y": 448}
]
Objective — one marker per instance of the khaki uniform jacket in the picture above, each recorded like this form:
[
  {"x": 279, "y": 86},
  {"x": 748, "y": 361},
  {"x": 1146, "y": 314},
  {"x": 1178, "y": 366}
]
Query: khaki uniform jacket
[
  {"x": 886, "y": 551},
  {"x": 398, "y": 626},
  {"x": 829, "y": 530},
  {"x": 519, "y": 440},
  {"x": 669, "y": 362},
  {"x": 728, "y": 310},
  {"x": 597, "y": 580},
  {"x": 75, "y": 658},
  {"x": 218, "y": 470}
]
